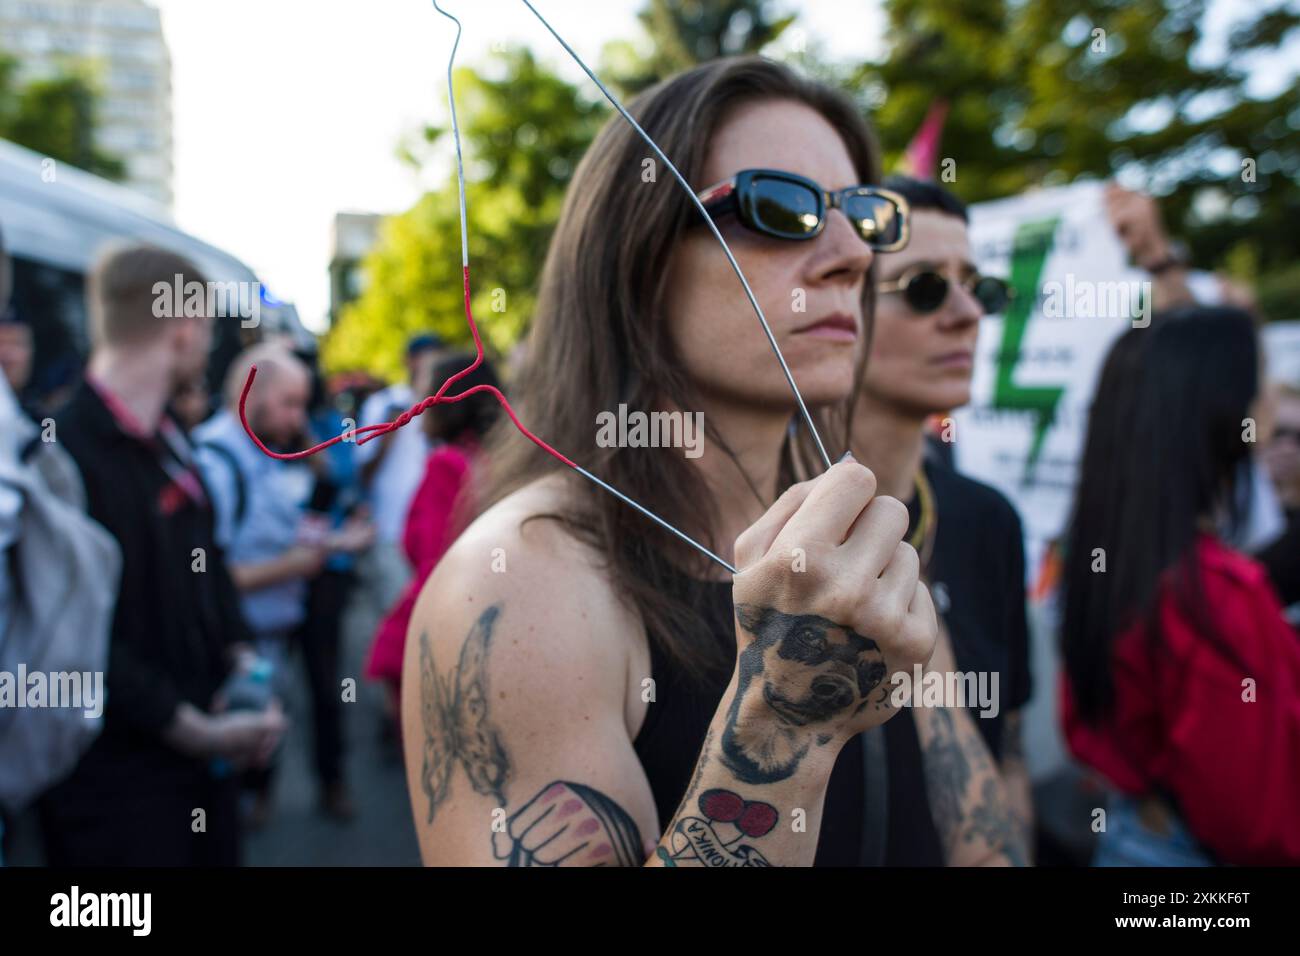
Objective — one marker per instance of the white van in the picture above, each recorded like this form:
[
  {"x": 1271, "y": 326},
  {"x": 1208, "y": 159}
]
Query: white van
[{"x": 55, "y": 218}]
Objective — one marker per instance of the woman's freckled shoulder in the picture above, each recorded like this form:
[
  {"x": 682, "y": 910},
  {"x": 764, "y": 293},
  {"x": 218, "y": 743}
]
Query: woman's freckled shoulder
[
  {"x": 514, "y": 535},
  {"x": 551, "y": 586}
]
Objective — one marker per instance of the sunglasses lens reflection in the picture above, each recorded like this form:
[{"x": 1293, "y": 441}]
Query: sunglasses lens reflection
[
  {"x": 786, "y": 208},
  {"x": 877, "y": 219}
]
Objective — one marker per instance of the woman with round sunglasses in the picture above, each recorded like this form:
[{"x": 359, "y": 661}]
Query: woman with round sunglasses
[
  {"x": 931, "y": 298},
  {"x": 582, "y": 689}
]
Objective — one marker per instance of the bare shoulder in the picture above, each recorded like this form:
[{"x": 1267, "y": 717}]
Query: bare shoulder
[
  {"x": 520, "y": 584},
  {"x": 515, "y": 552},
  {"x": 516, "y": 676}
]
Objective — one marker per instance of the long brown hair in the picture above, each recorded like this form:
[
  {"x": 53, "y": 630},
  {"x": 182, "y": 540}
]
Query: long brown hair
[{"x": 599, "y": 338}]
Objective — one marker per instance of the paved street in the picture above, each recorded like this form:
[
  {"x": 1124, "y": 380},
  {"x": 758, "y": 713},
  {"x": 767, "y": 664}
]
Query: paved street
[{"x": 298, "y": 834}]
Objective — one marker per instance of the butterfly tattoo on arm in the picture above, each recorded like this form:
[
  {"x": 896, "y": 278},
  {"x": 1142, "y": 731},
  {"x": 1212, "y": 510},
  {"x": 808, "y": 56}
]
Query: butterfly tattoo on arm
[{"x": 457, "y": 727}]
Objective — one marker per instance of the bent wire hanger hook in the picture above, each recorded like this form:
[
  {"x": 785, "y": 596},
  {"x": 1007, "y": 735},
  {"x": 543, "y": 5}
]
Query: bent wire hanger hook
[{"x": 368, "y": 432}]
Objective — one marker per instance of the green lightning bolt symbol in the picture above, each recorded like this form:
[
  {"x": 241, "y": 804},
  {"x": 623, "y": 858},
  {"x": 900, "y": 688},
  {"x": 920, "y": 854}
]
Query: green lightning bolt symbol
[{"x": 1032, "y": 243}]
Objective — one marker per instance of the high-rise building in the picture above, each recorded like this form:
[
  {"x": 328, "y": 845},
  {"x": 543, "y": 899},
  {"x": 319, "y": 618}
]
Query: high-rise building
[{"x": 122, "y": 42}]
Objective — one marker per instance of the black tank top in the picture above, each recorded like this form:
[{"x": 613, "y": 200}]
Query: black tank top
[
  {"x": 670, "y": 739},
  {"x": 676, "y": 722}
]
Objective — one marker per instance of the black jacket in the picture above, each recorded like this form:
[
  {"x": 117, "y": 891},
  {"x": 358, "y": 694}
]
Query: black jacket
[{"x": 173, "y": 623}]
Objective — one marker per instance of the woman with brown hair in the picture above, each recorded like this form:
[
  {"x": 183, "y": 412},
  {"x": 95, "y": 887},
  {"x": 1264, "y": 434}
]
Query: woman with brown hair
[{"x": 581, "y": 688}]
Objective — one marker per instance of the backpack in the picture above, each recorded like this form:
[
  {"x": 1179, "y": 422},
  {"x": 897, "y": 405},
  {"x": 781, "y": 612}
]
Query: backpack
[
  {"x": 64, "y": 569},
  {"x": 241, "y": 489}
]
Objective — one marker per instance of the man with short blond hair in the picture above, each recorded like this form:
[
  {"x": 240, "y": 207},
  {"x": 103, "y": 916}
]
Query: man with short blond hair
[
  {"x": 127, "y": 302},
  {"x": 133, "y": 797}
]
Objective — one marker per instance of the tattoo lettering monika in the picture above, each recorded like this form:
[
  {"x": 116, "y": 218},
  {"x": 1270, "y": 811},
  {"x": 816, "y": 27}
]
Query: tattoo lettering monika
[
  {"x": 714, "y": 839},
  {"x": 457, "y": 727},
  {"x": 567, "y": 824},
  {"x": 810, "y": 674}
]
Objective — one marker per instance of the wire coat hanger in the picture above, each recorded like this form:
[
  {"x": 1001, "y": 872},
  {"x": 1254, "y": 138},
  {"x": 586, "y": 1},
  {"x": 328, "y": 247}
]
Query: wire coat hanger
[{"x": 366, "y": 433}]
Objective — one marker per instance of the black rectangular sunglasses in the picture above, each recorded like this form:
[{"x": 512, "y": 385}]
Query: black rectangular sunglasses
[{"x": 785, "y": 205}]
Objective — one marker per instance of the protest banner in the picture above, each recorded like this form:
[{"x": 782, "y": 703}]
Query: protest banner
[{"x": 1037, "y": 364}]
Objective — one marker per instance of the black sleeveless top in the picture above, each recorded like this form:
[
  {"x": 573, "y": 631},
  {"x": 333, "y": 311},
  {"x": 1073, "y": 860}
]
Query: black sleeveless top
[{"x": 672, "y": 734}]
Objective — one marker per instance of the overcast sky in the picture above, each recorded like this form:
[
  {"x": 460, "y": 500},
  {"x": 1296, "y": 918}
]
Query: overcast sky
[{"x": 286, "y": 112}]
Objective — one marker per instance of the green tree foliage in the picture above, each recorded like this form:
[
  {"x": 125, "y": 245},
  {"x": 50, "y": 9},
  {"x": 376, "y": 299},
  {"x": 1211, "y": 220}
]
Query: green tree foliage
[
  {"x": 523, "y": 130},
  {"x": 1043, "y": 91},
  {"x": 683, "y": 33},
  {"x": 1040, "y": 91},
  {"x": 54, "y": 117}
]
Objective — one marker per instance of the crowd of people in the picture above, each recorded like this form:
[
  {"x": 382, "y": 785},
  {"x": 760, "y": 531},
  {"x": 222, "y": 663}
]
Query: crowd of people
[
  {"x": 199, "y": 568},
  {"x": 547, "y": 651}
]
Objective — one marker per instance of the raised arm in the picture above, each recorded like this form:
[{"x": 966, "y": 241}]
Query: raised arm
[{"x": 516, "y": 693}]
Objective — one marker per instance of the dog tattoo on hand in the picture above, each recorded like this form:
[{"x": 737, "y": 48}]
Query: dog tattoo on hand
[{"x": 811, "y": 674}]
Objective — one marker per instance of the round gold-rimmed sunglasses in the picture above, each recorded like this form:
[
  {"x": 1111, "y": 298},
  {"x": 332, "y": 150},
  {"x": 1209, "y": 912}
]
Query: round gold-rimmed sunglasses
[{"x": 926, "y": 290}]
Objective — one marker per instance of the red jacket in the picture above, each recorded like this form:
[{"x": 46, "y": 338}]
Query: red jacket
[
  {"x": 429, "y": 533},
  {"x": 1181, "y": 724}
]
